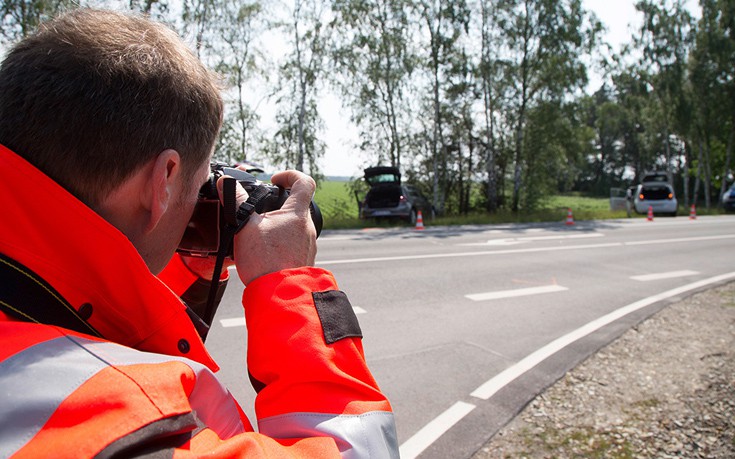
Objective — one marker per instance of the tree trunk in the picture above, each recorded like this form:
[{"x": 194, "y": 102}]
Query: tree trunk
[
  {"x": 685, "y": 178},
  {"x": 302, "y": 116},
  {"x": 707, "y": 176},
  {"x": 728, "y": 155},
  {"x": 699, "y": 173},
  {"x": 487, "y": 89},
  {"x": 667, "y": 149}
]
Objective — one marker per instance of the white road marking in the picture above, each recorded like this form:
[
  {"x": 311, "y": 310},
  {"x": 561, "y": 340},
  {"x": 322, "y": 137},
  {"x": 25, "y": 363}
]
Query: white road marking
[
  {"x": 493, "y": 385},
  {"x": 568, "y": 236},
  {"x": 521, "y": 240},
  {"x": 668, "y": 275},
  {"x": 512, "y": 251},
  {"x": 339, "y": 238},
  {"x": 234, "y": 322},
  {"x": 463, "y": 254},
  {"x": 434, "y": 429},
  {"x": 682, "y": 239},
  {"x": 516, "y": 292},
  {"x": 240, "y": 321},
  {"x": 510, "y": 241}
]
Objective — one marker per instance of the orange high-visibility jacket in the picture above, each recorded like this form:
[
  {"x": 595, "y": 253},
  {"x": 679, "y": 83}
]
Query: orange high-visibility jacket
[{"x": 149, "y": 385}]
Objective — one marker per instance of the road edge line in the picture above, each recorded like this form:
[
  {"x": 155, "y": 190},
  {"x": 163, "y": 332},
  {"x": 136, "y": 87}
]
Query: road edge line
[
  {"x": 428, "y": 434},
  {"x": 493, "y": 385}
]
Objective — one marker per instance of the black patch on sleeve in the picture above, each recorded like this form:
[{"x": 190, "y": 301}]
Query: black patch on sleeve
[{"x": 336, "y": 315}]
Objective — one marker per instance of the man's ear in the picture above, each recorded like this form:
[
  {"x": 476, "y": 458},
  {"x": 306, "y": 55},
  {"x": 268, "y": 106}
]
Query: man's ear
[{"x": 158, "y": 195}]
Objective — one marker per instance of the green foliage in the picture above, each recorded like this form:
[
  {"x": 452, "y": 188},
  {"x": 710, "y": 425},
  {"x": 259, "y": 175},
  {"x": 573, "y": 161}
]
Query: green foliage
[
  {"x": 546, "y": 41},
  {"x": 371, "y": 51},
  {"x": 336, "y": 200},
  {"x": 19, "y": 18},
  {"x": 482, "y": 104},
  {"x": 340, "y": 210},
  {"x": 297, "y": 142}
]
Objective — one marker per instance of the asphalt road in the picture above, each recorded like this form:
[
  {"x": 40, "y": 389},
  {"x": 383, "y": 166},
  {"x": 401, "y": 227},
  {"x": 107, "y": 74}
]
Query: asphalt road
[{"x": 464, "y": 325}]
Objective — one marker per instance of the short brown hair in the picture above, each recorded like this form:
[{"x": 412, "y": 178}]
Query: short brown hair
[{"x": 93, "y": 95}]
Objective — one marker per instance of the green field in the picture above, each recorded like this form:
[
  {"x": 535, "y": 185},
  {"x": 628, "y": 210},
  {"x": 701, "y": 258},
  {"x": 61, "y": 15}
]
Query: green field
[{"x": 339, "y": 208}]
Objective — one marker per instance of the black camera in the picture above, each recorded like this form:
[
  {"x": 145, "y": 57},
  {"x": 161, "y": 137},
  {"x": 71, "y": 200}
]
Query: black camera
[{"x": 204, "y": 233}]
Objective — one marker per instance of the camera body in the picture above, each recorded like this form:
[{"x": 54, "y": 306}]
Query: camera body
[{"x": 205, "y": 230}]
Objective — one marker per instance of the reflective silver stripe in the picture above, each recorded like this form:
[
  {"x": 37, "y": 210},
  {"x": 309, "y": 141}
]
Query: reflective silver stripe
[
  {"x": 32, "y": 385},
  {"x": 210, "y": 400},
  {"x": 34, "y": 382},
  {"x": 369, "y": 435}
]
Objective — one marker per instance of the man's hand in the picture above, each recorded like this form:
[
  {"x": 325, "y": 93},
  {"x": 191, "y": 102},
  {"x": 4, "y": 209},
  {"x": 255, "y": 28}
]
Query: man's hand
[{"x": 282, "y": 239}]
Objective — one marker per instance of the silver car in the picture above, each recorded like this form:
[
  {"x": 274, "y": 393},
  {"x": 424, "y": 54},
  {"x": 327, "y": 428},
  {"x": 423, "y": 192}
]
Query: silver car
[
  {"x": 654, "y": 192},
  {"x": 659, "y": 197}
]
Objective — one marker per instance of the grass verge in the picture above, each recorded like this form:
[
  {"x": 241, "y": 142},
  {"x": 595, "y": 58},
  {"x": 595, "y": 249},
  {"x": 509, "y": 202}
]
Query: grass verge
[{"x": 339, "y": 209}]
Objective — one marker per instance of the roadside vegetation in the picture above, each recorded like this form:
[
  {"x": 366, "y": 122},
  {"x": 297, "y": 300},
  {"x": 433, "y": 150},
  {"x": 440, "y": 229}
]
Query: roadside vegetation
[
  {"x": 339, "y": 208},
  {"x": 491, "y": 108}
]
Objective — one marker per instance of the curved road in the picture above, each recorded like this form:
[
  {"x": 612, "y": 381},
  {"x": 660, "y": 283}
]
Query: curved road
[{"x": 464, "y": 325}]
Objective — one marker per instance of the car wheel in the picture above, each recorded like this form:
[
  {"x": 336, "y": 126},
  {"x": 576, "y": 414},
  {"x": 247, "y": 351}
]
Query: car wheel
[{"x": 412, "y": 217}]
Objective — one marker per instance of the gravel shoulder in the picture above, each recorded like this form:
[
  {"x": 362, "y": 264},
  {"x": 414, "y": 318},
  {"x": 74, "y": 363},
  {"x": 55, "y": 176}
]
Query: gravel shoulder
[{"x": 664, "y": 389}]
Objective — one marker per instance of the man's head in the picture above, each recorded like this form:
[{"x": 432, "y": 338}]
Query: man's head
[
  {"x": 95, "y": 95},
  {"x": 117, "y": 110}
]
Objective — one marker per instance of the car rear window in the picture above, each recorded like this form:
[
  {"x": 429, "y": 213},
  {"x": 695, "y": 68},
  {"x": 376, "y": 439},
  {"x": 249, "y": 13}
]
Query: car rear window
[
  {"x": 656, "y": 192},
  {"x": 383, "y": 178},
  {"x": 655, "y": 178}
]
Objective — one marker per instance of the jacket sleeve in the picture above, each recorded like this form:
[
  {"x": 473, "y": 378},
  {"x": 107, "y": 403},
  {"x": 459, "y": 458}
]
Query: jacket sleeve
[
  {"x": 108, "y": 400},
  {"x": 306, "y": 361},
  {"x": 316, "y": 396}
]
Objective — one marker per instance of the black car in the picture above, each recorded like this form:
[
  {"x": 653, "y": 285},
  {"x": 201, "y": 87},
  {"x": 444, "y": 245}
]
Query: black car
[
  {"x": 389, "y": 198},
  {"x": 728, "y": 199}
]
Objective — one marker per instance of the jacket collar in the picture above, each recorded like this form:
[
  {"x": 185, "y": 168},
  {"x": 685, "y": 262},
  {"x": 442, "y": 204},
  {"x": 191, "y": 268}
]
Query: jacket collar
[{"x": 90, "y": 262}]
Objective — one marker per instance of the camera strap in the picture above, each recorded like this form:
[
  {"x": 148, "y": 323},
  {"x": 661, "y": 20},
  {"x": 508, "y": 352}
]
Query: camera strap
[{"x": 236, "y": 217}]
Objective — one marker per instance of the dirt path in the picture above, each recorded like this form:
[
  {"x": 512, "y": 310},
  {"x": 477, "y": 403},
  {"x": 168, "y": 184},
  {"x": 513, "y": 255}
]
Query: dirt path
[{"x": 665, "y": 389}]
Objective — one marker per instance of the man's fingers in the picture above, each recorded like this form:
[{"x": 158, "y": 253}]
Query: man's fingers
[
  {"x": 240, "y": 194},
  {"x": 302, "y": 189},
  {"x": 301, "y": 186}
]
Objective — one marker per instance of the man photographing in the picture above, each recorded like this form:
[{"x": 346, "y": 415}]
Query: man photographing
[{"x": 107, "y": 127}]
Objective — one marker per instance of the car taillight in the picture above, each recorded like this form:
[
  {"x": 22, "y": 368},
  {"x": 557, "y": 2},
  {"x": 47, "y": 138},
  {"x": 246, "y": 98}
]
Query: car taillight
[
  {"x": 402, "y": 198},
  {"x": 640, "y": 196},
  {"x": 671, "y": 195}
]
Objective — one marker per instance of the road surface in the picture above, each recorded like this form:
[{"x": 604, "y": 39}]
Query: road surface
[{"x": 464, "y": 325}]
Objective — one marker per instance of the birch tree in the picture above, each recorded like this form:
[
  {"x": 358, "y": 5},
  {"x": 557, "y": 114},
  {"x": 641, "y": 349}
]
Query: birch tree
[
  {"x": 443, "y": 23},
  {"x": 664, "y": 40},
  {"x": 545, "y": 40},
  {"x": 375, "y": 60},
  {"x": 300, "y": 79},
  {"x": 237, "y": 25},
  {"x": 19, "y": 18}
]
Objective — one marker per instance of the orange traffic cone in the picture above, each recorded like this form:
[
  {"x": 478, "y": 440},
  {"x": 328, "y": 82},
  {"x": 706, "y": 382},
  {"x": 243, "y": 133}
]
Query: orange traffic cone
[
  {"x": 692, "y": 213},
  {"x": 419, "y": 221},
  {"x": 570, "y": 218},
  {"x": 650, "y": 213}
]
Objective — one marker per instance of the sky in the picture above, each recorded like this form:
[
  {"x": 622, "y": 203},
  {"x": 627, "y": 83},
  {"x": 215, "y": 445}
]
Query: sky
[{"x": 619, "y": 17}]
